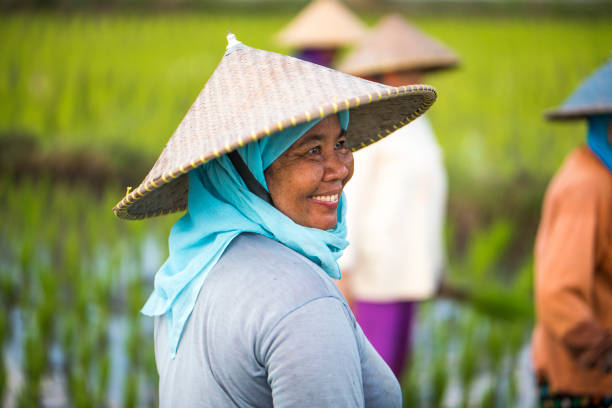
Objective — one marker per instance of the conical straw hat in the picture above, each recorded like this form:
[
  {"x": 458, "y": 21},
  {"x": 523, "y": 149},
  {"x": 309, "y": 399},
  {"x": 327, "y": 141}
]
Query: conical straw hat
[
  {"x": 322, "y": 24},
  {"x": 592, "y": 97},
  {"x": 254, "y": 93},
  {"x": 395, "y": 45}
]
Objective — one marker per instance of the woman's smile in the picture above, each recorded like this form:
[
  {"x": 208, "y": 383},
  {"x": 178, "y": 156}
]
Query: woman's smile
[
  {"x": 328, "y": 199},
  {"x": 306, "y": 181}
]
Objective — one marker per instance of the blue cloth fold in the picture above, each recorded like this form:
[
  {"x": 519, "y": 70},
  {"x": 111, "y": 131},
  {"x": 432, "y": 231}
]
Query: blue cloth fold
[
  {"x": 220, "y": 207},
  {"x": 597, "y": 138}
]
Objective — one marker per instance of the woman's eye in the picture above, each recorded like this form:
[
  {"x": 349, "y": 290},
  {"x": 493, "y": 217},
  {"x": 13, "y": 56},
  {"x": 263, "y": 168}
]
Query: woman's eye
[
  {"x": 315, "y": 150},
  {"x": 340, "y": 144}
]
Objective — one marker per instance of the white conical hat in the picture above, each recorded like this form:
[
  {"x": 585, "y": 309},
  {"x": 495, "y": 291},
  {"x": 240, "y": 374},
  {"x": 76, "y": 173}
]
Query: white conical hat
[
  {"x": 395, "y": 45},
  {"x": 322, "y": 24},
  {"x": 255, "y": 93}
]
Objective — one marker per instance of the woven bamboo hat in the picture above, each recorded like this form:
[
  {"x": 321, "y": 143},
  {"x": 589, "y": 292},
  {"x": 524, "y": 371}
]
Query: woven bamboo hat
[
  {"x": 322, "y": 24},
  {"x": 592, "y": 97},
  {"x": 395, "y": 45},
  {"x": 254, "y": 93}
]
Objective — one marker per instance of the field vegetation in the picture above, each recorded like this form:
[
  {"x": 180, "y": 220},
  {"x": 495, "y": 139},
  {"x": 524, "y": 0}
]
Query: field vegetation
[{"x": 89, "y": 100}]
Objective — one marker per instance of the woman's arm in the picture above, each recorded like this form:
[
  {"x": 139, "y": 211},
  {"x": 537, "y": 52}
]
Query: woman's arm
[{"x": 565, "y": 270}]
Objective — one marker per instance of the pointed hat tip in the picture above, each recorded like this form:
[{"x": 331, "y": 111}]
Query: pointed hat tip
[{"x": 231, "y": 40}]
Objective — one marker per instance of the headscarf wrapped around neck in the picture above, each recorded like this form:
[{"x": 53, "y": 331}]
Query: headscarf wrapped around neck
[
  {"x": 597, "y": 138},
  {"x": 220, "y": 207}
]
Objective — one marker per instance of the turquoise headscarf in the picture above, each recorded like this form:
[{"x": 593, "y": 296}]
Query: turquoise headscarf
[
  {"x": 220, "y": 207},
  {"x": 597, "y": 138}
]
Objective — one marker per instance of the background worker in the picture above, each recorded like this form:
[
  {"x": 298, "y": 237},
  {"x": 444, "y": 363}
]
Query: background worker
[
  {"x": 320, "y": 30},
  {"x": 396, "y": 213},
  {"x": 572, "y": 340}
]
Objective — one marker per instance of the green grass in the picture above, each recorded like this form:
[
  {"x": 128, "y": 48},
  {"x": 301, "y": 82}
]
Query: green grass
[
  {"x": 489, "y": 114},
  {"x": 84, "y": 80},
  {"x": 99, "y": 80}
]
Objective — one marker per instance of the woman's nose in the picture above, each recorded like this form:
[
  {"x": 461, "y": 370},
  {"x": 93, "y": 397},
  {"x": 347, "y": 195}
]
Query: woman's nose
[{"x": 336, "y": 167}]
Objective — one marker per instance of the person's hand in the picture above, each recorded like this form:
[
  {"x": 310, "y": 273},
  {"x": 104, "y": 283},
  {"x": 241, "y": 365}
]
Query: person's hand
[
  {"x": 591, "y": 346},
  {"x": 605, "y": 363},
  {"x": 598, "y": 354}
]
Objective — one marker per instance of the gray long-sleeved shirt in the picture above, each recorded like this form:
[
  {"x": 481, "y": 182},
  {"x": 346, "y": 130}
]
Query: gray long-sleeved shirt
[{"x": 270, "y": 329}]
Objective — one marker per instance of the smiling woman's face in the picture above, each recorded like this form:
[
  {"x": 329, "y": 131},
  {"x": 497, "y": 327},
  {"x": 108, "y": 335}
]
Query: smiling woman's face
[{"x": 306, "y": 181}]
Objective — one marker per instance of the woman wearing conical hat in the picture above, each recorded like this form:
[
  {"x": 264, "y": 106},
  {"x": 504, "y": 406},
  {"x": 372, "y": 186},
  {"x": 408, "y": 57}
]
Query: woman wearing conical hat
[
  {"x": 320, "y": 30},
  {"x": 246, "y": 314},
  {"x": 572, "y": 340},
  {"x": 395, "y": 223}
]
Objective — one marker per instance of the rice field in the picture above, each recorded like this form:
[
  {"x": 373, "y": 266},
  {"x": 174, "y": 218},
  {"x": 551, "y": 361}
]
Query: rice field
[
  {"x": 73, "y": 278},
  {"x": 72, "y": 282},
  {"x": 92, "y": 80}
]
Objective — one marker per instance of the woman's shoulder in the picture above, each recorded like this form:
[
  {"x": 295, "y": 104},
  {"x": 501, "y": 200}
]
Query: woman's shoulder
[
  {"x": 582, "y": 179},
  {"x": 269, "y": 273}
]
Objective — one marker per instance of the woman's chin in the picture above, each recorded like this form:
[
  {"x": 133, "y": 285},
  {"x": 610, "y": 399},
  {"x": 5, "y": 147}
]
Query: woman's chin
[{"x": 324, "y": 223}]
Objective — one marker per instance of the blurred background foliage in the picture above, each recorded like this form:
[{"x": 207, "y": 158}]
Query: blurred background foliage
[{"x": 92, "y": 90}]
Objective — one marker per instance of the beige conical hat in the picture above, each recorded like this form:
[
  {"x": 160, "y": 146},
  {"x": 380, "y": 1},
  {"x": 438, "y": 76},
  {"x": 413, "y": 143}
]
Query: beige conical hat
[
  {"x": 395, "y": 45},
  {"x": 322, "y": 24},
  {"x": 254, "y": 93}
]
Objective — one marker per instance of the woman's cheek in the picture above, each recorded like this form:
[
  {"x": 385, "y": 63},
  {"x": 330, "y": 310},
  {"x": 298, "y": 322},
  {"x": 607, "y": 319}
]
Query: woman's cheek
[
  {"x": 350, "y": 165},
  {"x": 316, "y": 173}
]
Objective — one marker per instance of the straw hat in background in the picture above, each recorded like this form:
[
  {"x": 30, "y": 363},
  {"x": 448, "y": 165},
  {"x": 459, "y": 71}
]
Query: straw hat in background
[
  {"x": 323, "y": 24},
  {"x": 253, "y": 93},
  {"x": 592, "y": 97},
  {"x": 394, "y": 45}
]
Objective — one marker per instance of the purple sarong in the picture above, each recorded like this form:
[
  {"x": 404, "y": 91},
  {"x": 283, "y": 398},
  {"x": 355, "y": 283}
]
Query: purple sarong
[{"x": 388, "y": 326}]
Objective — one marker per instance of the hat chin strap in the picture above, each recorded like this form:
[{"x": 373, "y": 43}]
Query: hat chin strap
[{"x": 249, "y": 179}]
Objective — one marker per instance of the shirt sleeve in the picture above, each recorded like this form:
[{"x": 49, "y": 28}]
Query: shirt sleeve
[
  {"x": 312, "y": 358},
  {"x": 565, "y": 268}
]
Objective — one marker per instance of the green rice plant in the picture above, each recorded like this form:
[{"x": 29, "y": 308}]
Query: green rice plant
[
  {"x": 130, "y": 394},
  {"x": 150, "y": 368},
  {"x": 68, "y": 333},
  {"x": 34, "y": 364},
  {"x": 501, "y": 302},
  {"x": 484, "y": 254},
  {"x": 486, "y": 248},
  {"x": 9, "y": 288},
  {"x": 27, "y": 397},
  {"x": 517, "y": 334},
  {"x": 496, "y": 346},
  {"x": 439, "y": 378},
  {"x": 80, "y": 394},
  {"x": 103, "y": 377},
  {"x": 440, "y": 369},
  {"x": 468, "y": 360},
  {"x": 410, "y": 389},
  {"x": 4, "y": 323},
  {"x": 523, "y": 283},
  {"x": 478, "y": 275},
  {"x": 489, "y": 399},
  {"x": 26, "y": 272},
  {"x": 48, "y": 304}
]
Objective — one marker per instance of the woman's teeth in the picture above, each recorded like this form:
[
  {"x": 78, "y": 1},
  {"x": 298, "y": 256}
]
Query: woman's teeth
[{"x": 329, "y": 198}]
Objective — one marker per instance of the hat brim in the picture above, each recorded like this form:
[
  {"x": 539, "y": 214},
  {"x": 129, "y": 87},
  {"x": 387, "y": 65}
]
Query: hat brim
[
  {"x": 405, "y": 65},
  {"x": 396, "y": 45},
  {"x": 577, "y": 113}
]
